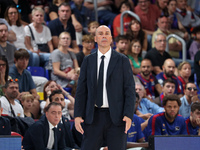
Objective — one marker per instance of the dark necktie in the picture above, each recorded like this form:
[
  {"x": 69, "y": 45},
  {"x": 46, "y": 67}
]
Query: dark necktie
[
  {"x": 99, "y": 101},
  {"x": 55, "y": 138}
]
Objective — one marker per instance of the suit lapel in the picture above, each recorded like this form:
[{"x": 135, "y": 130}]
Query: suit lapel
[
  {"x": 112, "y": 63},
  {"x": 47, "y": 130},
  {"x": 93, "y": 63}
]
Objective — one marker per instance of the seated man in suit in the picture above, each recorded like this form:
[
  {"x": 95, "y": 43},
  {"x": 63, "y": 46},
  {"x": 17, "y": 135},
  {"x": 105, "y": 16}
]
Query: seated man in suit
[
  {"x": 45, "y": 133},
  {"x": 5, "y": 128},
  {"x": 58, "y": 97},
  {"x": 193, "y": 121}
]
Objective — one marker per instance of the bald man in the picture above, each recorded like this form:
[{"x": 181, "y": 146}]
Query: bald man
[
  {"x": 105, "y": 96},
  {"x": 148, "y": 80},
  {"x": 168, "y": 72}
]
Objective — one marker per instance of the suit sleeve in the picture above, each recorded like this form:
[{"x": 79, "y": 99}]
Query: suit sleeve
[
  {"x": 129, "y": 89},
  {"x": 81, "y": 91},
  {"x": 36, "y": 134}
]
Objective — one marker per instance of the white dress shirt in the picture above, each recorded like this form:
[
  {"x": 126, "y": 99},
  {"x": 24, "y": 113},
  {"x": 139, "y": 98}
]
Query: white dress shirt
[
  {"x": 51, "y": 136},
  {"x": 106, "y": 63}
]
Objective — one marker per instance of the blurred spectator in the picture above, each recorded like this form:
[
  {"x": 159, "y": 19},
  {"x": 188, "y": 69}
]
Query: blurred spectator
[
  {"x": 63, "y": 62},
  {"x": 6, "y": 49},
  {"x": 8, "y": 102},
  {"x": 197, "y": 67},
  {"x": 11, "y": 34},
  {"x": 54, "y": 8},
  {"x": 50, "y": 86},
  {"x": 186, "y": 100},
  {"x": 92, "y": 26},
  {"x": 135, "y": 136},
  {"x": 148, "y": 80},
  {"x": 134, "y": 54},
  {"x": 122, "y": 43},
  {"x": 167, "y": 89},
  {"x": 104, "y": 9},
  {"x": 5, "y": 127},
  {"x": 62, "y": 24},
  {"x": 195, "y": 6},
  {"x": 186, "y": 16},
  {"x": 168, "y": 122},
  {"x": 27, "y": 103},
  {"x": 117, "y": 4},
  {"x": 163, "y": 27},
  {"x": 12, "y": 16},
  {"x": 158, "y": 54},
  {"x": 184, "y": 70},
  {"x": 42, "y": 4},
  {"x": 23, "y": 8},
  {"x": 26, "y": 84},
  {"x": 193, "y": 121},
  {"x": 176, "y": 26},
  {"x": 168, "y": 72},
  {"x": 88, "y": 45},
  {"x": 195, "y": 46},
  {"x": 136, "y": 32},
  {"x": 145, "y": 10},
  {"x": 39, "y": 3},
  {"x": 38, "y": 37},
  {"x": 124, "y": 6},
  {"x": 4, "y": 68},
  {"x": 162, "y": 5},
  {"x": 54, "y": 14},
  {"x": 82, "y": 14},
  {"x": 146, "y": 107}
]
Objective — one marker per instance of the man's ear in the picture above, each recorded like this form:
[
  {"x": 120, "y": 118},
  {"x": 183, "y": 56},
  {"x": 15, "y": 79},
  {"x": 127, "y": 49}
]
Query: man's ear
[
  {"x": 163, "y": 67},
  {"x": 1, "y": 109},
  {"x": 15, "y": 60}
]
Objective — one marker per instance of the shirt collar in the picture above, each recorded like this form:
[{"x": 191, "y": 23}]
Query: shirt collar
[
  {"x": 51, "y": 126},
  {"x": 107, "y": 54}
]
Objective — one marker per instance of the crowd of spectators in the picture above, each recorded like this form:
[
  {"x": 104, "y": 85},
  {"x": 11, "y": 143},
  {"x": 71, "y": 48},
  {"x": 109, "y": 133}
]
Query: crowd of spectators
[{"x": 56, "y": 35}]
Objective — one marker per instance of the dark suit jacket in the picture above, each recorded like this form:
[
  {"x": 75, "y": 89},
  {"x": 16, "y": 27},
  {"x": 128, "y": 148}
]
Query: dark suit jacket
[
  {"x": 36, "y": 137},
  {"x": 120, "y": 88},
  {"x": 69, "y": 140},
  {"x": 5, "y": 128}
]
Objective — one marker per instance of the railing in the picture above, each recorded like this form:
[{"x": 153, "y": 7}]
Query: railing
[
  {"x": 183, "y": 45},
  {"x": 95, "y": 10},
  {"x": 122, "y": 20}
]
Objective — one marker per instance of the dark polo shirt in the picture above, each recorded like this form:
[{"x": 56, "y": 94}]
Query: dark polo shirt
[
  {"x": 56, "y": 27},
  {"x": 156, "y": 58}
]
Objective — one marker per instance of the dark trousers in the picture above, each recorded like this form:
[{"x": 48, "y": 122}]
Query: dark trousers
[{"x": 103, "y": 130}]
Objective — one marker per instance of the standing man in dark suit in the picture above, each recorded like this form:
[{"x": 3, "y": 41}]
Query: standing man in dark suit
[
  {"x": 105, "y": 96},
  {"x": 45, "y": 134}
]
